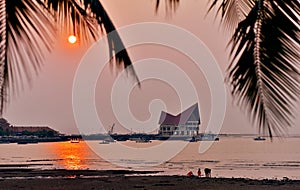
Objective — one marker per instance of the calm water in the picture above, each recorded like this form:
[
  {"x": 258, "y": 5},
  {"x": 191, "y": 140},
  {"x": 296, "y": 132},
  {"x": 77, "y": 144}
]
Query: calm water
[{"x": 230, "y": 157}]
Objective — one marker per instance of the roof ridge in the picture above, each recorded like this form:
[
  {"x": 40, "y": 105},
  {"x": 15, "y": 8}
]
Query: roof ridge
[{"x": 180, "y": 118}]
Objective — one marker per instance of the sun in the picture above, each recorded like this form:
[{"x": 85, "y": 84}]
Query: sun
[{"x": 72, "y": 39}]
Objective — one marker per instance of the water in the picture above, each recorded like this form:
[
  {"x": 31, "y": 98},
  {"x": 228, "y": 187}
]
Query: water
[{"x": 230, "y": 157}]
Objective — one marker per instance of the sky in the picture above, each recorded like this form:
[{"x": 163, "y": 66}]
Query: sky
[{"x": 48, "y": 100}]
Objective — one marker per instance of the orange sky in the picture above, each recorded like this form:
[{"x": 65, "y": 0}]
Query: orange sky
[{"x": 49, "y": 101}]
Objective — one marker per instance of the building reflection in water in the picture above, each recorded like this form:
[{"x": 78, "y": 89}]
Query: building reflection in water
[{"x": 72, "y": 156}]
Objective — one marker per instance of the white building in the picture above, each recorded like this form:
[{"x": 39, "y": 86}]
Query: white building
[{"x": 185, "y": 124}]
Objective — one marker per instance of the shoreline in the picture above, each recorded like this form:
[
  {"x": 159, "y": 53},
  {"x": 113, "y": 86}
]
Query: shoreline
[
  {"x": 65, "y": 173},
  {"x": 128, "y": 179}
]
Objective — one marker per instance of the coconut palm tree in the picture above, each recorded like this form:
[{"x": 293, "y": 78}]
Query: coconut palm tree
[
  {"x": 264, "y": 70},
  {"x": 27, "y": 29},
  {"x": 264, "y": 73}
]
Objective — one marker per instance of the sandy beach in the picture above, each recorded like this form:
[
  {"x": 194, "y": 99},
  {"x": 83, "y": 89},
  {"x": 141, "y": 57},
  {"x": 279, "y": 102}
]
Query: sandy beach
[{"x": 124, "y": 179}]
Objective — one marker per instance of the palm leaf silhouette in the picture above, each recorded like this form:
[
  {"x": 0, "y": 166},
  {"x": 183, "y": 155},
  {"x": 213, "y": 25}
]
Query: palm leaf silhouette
[
  {"x": 264, "y": 69},
  {"x": 232, "y": 11},
  {"x": 27, "y": 30},
  {"x": 170, "y": 5}
]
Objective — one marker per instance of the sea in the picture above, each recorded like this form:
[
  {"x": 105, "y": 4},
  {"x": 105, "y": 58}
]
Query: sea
[{"x": 278, "y": 158}]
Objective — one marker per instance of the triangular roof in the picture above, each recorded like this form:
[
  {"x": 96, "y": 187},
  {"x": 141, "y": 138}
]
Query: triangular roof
[{"x": 190, "y": 114}]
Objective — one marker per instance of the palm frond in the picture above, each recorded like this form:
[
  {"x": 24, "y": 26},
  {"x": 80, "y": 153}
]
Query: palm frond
[
  {"x": 88, "y": 19},
  {"x": 171, "y": 5},
  {"x": 72, "y": 18},
  {"x": 264, "y": 72},
  {"x": 26, "y": 33},
  {"x": 232, "y": 11}
]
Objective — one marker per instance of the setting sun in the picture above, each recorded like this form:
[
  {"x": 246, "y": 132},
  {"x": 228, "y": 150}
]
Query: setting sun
[{"x": 72, "y": 39}]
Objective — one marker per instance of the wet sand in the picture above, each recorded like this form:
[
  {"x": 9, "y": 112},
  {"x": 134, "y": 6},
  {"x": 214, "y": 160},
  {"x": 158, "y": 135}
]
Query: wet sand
[{"x": 123, "y": 179}]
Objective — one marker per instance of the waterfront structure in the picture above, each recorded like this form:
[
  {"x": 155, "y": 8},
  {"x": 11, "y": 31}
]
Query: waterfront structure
[
  {"x": 33, "y": 130},
  {"x": 7, "y": 129},
  {"x": 185, "y": 124}
]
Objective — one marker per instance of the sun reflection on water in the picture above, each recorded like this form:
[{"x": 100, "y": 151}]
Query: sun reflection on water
[{"x": 72, "y": 156}]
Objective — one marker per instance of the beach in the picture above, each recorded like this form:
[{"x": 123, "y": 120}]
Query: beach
[
  {"x": 128, "y": 179},
  {"x": 64, "y": 165},
  {"x": 245, "y": 159}
]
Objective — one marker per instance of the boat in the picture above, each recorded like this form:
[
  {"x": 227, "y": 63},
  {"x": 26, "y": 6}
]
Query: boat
[
  {"x": 259, "y": 138},
  {"x": 4, "y": 142},
  {"x": 110, "y": 140},
  {"x": 22, "y": 142},
  {"x": 107, "y": 140},
  {"x": 76, "y": 140},
  {"x": 192, "y": 139},
  {"x": 28, "y": 141},
  {"x": 122, "y": 138},
  {"x": 142, "y": 140},
  {"x": 208, "y": 137},
  {"x": 33, "y": 141},
  {"x": 104, "y": 142}
]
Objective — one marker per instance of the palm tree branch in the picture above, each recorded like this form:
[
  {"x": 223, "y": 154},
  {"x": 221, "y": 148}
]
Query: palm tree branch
[
  {"x": 28, "y": 33},
  {"x": 264, "y": 71},
  {"x": 88, "y": 20},
  {"x": 114, "y": 40},
  {"x": 231, "y": 11},
  {"x": 171, "y": 5}
]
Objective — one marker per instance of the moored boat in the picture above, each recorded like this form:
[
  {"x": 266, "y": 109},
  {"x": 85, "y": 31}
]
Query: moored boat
[
  {"x": 259, "y": 138},
  {"x": 104, "y": 142},
  {"x": 76, "y": 140}
]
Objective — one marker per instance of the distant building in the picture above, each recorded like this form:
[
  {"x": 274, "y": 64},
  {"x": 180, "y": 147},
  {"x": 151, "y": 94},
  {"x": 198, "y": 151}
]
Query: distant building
[
  {"x": 44, "y": 130},
  {"x": 185, "y": 124},
  {"x": 7, "y": 129}
]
